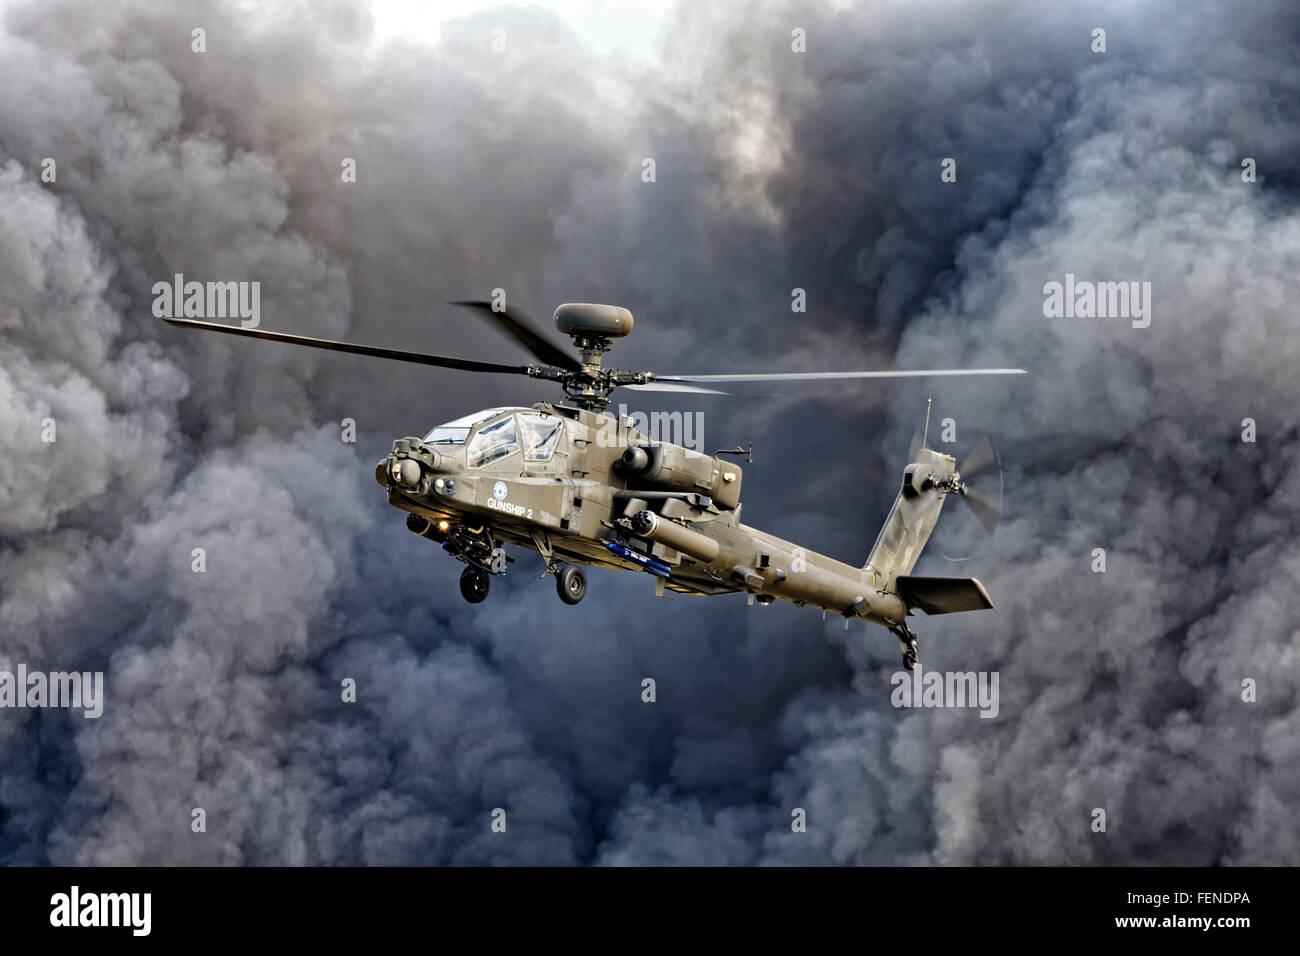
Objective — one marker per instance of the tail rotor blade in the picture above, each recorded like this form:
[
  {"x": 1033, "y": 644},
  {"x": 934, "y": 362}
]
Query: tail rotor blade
[
  {"x": 981, "y": 459},
  {"x": 985, "y": 508},
  {"x": 978, "y": 458},
  {"x": 915, "y": 448}
]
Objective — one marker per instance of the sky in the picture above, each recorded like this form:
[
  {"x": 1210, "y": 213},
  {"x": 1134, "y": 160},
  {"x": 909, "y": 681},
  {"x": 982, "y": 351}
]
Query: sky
[{"x": 521, "y": 169}]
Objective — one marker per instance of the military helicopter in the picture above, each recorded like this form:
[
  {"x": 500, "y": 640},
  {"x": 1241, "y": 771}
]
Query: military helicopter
[{"x": 583, "y": 488}]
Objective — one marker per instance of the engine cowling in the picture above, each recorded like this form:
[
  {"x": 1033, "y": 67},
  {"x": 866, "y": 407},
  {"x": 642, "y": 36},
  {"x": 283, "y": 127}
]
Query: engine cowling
[{"x": 674, "y": 468}]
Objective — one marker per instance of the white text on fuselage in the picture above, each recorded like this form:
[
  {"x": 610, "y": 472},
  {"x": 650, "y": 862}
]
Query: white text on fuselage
[{"x": 519, "y": 511}]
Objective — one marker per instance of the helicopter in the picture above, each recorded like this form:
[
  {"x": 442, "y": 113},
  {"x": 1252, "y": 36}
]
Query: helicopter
[{"x": 585, "y": 489}]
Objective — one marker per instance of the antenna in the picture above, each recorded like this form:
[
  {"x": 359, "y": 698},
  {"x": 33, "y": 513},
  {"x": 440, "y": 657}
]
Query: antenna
[
  {"x": 926, "y": 434},
  {"x": 749, "y": 452}
]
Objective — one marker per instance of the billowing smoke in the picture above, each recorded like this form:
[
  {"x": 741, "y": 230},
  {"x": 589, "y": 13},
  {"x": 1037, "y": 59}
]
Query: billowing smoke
[{"x": 775, "y": 170}]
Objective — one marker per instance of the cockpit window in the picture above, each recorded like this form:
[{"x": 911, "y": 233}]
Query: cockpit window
[
  {"x": 540, "y": 434},
  {"x": 455, "y": 433},
  {"x": 492, "y": 442},
  {"x": 447, "y": 435}
]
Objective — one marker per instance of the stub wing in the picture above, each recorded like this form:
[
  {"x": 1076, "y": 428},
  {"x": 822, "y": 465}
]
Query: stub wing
[{"x": 943, "y": 595}]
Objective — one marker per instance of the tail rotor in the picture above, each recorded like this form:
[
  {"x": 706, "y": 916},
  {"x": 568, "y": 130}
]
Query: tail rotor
[{"x": 981, "y": 489}]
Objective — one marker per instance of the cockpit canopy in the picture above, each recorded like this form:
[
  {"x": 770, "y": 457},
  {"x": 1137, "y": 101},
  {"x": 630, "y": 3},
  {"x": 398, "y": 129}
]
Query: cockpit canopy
[
  {"x": 455, "y": 433},
  {"x": 498, "y": 433}
]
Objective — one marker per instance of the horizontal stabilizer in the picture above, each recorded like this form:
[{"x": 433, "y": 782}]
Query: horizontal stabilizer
[{"x": 943, "y": 595}]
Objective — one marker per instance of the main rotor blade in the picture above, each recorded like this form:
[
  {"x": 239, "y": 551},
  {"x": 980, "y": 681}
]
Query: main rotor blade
[
  {"x": 826, "y": 376},
  {"x": 397, "y": 355},
  {"x": 674, "y": 387},
  {"x": 514, "y": 324}
]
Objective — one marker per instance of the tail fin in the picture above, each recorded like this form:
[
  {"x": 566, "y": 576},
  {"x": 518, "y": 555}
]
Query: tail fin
[{"x": 912, "y": 519}]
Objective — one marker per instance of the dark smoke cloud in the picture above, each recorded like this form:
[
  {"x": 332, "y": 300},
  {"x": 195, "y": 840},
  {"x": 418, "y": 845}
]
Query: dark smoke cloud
[{"x": 522, "y": 171}]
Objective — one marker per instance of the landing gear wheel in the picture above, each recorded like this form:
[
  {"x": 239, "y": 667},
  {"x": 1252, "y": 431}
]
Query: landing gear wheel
[
  {"x": 474, "y": 585},
  {"x": 571, "y": 584},
  {"x": 910, "y": 660}
]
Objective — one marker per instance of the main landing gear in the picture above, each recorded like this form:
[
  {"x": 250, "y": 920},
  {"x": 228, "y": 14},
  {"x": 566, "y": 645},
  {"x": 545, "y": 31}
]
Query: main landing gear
[
  {"x": 485, "y": 558},
  {"x": 570, "y": 581},
  {"x": 907, "y": 644},
  {"x": 571, "y": 584}
]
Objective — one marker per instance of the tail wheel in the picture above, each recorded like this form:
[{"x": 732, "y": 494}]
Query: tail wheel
[
  {"x": 474, "y": 585},
  {"x": 571, "y": 584}
]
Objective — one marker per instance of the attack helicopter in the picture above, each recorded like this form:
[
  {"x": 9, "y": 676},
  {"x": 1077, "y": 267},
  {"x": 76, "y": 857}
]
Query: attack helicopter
[{"x": 586, "y": 489}]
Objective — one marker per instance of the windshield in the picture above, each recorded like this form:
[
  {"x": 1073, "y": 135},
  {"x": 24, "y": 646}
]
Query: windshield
[
  {"x": 540, "y": 433},
  {"x": 492, "y": 442},
  {"x": 455, "y": 432},
  {"x": 447, "y": 435}
]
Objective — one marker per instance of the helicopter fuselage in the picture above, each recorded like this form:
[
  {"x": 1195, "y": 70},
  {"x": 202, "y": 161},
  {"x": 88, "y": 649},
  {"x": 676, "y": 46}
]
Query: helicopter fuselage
[
  {"x": 583, "y": 488},
  {"x": 602, "y": 494}
]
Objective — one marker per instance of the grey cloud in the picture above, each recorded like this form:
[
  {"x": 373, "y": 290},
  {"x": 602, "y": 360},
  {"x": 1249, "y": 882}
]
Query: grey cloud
[{"x": 522, "y": 171}]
